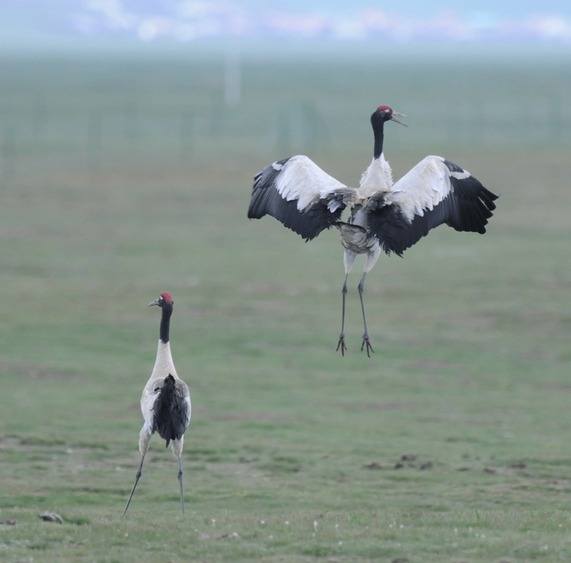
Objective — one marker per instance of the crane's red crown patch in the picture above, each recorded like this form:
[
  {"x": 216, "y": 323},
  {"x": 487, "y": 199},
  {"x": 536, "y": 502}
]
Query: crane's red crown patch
[{"x": 167, "y": 296}]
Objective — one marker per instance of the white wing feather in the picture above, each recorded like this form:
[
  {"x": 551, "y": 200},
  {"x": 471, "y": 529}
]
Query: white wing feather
[
  {"x": 302, "y": 180},
  {"x": 421, "y": 188}
]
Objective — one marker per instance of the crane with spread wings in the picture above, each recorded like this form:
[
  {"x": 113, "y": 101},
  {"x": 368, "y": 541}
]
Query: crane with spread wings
[{"x": 383, "y": 216}]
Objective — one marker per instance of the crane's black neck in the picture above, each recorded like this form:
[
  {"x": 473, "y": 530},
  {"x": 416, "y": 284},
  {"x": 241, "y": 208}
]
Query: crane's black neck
[
  {"x": 165, "y": 322},
  {"x": 379, "y": 133}
]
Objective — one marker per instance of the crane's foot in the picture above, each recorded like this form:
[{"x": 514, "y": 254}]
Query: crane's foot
[
  {"x": 341, "y": 347},
  {"x": 366, "y": 345}
]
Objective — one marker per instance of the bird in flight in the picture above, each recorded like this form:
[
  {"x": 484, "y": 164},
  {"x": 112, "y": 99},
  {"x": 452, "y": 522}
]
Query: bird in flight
[
  {"x": 165, "y": 401},
  {"x": 382, "y": 215}
]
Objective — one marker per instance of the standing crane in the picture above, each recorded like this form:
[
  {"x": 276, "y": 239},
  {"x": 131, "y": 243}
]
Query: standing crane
[
  {"x": 165, "y": 402},
  {"x": 383, "y": 216}
]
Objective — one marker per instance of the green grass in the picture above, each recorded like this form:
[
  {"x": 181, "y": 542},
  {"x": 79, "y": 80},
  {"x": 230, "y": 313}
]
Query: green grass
[{"x": 294, "y": 453}]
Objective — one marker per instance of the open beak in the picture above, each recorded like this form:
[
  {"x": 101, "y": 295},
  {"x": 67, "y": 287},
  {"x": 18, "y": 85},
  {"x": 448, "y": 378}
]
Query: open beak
[
  {"x": 155, "y": 302},
  {"x": 397, "y": 116}
]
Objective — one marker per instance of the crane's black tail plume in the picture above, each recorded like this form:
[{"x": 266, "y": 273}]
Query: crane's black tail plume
[{"x": 170, "y": 411}]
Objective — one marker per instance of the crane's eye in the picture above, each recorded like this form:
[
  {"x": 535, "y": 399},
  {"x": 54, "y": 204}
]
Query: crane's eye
[{"x": 156, "y": 389}]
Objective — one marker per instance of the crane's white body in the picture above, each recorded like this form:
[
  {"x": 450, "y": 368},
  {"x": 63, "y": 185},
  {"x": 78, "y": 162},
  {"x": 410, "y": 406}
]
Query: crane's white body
[
  {"x": 378, "y": 177},
  {"x": 164, "y": 365}
]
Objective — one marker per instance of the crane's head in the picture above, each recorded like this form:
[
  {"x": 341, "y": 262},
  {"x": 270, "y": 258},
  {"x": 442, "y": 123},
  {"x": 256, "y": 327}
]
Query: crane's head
[
  {"x": 164, "y": 300},
  {"x": 386, "y": 113}
]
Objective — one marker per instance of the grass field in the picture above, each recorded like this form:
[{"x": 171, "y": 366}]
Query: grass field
[{"x": 119, "y": 181}]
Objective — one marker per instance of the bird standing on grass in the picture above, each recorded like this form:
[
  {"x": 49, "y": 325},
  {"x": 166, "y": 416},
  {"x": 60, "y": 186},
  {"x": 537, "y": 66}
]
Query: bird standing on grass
[
  {"x": 382, "y": 216},
  {"x": 165, "y": 402}
]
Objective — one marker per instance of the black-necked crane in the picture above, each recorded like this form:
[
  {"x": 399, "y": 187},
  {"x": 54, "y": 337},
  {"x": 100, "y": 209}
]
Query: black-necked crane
[
  {"x": 382, "y": 216},
  {"x": 165, "y": 402}
]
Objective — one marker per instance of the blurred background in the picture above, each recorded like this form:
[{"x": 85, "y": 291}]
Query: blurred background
[{"x": 129, "y": 135}]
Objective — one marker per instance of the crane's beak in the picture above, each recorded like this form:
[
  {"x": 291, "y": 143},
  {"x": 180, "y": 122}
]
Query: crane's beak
[
  {"x": 155, "y": 302},
  {"x": 397, "y": 116}
]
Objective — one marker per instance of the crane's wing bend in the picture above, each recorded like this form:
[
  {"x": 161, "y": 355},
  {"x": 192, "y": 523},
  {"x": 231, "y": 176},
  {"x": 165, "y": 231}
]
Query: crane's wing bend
[
  {"x": 434, "y": 192},
  {"x": 300, "y": 195}
]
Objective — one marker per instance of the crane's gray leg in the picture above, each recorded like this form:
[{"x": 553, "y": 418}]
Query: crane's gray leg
[
  {"x": 341, "y": 347},
  {"x": 348, "y": 261},
  {"x": 372, "y": 258},
  {"x": 177, "y": 449},
  {"x": 366, "y": 342},
  {"x": 144, "y": 439}
]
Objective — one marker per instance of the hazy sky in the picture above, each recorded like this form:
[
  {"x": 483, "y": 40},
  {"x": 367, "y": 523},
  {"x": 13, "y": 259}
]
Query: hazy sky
[{"x": 45, "y": 22}]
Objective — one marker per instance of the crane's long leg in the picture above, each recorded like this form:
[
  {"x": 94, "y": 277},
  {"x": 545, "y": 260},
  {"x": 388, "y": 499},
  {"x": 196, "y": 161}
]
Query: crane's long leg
[
  {"x": 144, "y": 438},
  {"x": 341, "y": 347},
  {"x": 366, "y": 342},
  {"x": 348, "y": 261},
  {"x": 177, "y": 449},
  {"x": 372, "y": 258},
  {"x": 180, "y": 472}
]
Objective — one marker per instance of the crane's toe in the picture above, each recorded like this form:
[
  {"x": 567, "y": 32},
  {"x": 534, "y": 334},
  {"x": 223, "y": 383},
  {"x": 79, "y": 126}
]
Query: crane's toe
[
  {"x": 366, "y": 345},
  {"x": 341, "y": 346}
]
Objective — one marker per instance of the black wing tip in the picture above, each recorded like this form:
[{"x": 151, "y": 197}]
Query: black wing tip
[
  {"x": 452, "y": 166},
  {"x": 396, "y": 251},
  {"x": 263, "y": 180},
  {"x": 389, "y": 249},
  {"x": 254, "y": 214},
  {"x": 475, "y": 205},
  {"x": 281, "y": 162},
  {"x": 490, "y": 195}
]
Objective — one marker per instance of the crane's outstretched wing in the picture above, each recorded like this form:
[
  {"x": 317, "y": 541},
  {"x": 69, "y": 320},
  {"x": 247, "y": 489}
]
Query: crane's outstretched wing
[
  {"x": 300, "y": 195},
  {"x": 434, "y": 192}
]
